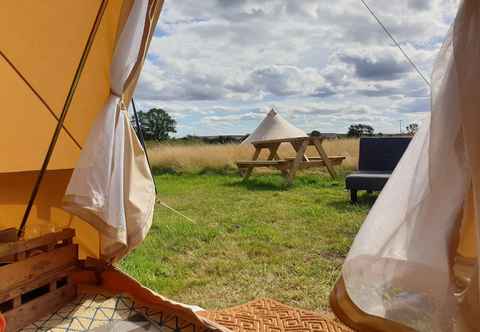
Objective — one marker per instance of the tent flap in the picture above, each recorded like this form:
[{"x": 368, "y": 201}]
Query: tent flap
[
  {"x": 111, "y": 187},
  {"x": 400, "y": 266}
]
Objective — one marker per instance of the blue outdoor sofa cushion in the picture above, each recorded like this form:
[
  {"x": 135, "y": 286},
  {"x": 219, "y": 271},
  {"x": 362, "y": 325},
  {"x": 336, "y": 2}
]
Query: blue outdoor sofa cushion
[{"x": 378, "y": 157}]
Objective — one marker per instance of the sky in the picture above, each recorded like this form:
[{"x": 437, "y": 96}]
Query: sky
[{"x": 217, "y": 66}]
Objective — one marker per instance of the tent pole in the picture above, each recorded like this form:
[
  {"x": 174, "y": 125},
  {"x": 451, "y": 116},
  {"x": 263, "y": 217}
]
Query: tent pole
[
  {"x": 140, "y": 130},
  {"x": 61, "y": 120},
  {"x": 142, "y": 140}
]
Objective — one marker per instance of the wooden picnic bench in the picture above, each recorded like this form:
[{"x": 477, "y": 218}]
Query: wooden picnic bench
[{"x": 289, "y": 166}]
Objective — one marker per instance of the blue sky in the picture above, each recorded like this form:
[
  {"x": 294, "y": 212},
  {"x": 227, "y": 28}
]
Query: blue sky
[{"x": 217, "y": 66}]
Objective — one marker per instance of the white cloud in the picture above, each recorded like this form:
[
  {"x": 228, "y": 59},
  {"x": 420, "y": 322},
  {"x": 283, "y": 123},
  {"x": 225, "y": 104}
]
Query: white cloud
[{"x": 218, "y": 62}]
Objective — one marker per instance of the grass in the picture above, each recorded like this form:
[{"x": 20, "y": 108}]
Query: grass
[
  {"x": 249, "y": 240},
  {"x": 197, "y": 157}
]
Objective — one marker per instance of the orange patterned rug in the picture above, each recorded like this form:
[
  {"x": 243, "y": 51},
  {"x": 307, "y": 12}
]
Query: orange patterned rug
[{"x": 265, "y": 315}]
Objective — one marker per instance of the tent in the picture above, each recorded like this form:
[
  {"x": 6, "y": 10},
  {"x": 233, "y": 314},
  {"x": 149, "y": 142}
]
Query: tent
[
  {"x": 272, "y": 127},
  {"x": 37, "y": 71},
  {"x": 413, "y": 265},
  {"x": 70, "y": 158},
  {"x": 68, "y": 71}
]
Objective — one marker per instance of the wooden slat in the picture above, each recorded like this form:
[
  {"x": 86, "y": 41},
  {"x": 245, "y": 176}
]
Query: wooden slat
[
  {"x": 336, "y": 162},
  {"x": 34, "y": 267},
  {"x": 7, "y": 259},
  {"x": 314, "y": 163},
  {"x": 30, "y": 312},
  {"x": 38, "y": 282},
  {"x": 319, "y": 163},
  {"x": 260, "y": 163},
  {"x": 323, "y": 154},
  {"x": 273, "y": 151},
  {"x": 296, "y": 163},
  {"x": 274, "y": 156},
  {"x": 331, "y": 158},
  {"x": 8, "y": 235},
  {"x": 249, "y": 170},
  {"x": 7, "y": 249}
]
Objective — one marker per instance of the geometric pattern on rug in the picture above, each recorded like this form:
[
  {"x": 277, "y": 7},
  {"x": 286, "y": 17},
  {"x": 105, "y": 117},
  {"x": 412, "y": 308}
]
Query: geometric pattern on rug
[
  {"x": 266, "y": 315},
  {"x": 89, "y": 311}
]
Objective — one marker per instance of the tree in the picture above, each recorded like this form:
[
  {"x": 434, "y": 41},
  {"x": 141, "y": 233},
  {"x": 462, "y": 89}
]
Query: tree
[
  {"x": 357, "y": 130},
  {"x": 412, "y": 128},
  {"x": 315, "y": 133},
  {"x": 156, "y": 124}
]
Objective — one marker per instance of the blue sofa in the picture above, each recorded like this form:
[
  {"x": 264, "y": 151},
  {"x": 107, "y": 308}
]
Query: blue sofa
[{"x": 378, "y": 158}]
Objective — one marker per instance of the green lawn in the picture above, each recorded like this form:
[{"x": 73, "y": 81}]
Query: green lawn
[{"x": 249, "y": 240}]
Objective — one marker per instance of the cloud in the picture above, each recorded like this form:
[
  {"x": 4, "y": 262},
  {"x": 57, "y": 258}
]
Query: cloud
[
  {"x": 319, "y": 62},
  {"x": 287, "y": 80},
  {"x": 231, "y": 119},
  {"x": 377, "y": 64},
  {"x": 191, "y": 84},
  {"x": 414, "y": 105},
  {"x": 420, "y": 4}
]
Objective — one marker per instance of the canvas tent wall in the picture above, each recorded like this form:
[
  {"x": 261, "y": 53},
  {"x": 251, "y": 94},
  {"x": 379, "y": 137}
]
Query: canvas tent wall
[
  {"x": 272, "y": 127},
  {"x": 414, "y": 263},
  {"x": 42, "y": 44}
]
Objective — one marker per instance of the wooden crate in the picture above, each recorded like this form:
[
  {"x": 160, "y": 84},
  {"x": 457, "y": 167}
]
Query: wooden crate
[{"x": 35, "y": 277}]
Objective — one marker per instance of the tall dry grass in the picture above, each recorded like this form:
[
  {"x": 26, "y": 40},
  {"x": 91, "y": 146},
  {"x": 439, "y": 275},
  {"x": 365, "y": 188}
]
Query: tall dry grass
[
  {"x": 348, "y": 147},
  {"x": 196, "y": 157}
]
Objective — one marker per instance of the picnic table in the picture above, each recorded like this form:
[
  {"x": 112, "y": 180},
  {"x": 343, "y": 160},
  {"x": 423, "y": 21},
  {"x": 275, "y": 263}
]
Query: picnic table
[{"x": 289, "y": 166}]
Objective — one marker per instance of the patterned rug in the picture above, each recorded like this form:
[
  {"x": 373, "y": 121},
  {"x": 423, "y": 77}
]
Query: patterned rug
[
  {"x": 265, "y": 315},
  {"x": 89, "y": 312}
]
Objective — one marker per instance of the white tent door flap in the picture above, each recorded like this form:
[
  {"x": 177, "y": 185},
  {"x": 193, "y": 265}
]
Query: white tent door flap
[
  {"x": 112, "y": 187},
  {"x": 400, "y": 264}
]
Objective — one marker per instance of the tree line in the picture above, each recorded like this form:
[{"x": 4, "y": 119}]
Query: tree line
[
  {"x": 157, "y": 125},
  {"x": 359, "y": 129}
]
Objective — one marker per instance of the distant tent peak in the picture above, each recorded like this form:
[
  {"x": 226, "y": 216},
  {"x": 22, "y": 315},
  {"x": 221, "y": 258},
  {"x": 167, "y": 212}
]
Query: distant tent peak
[{"x": 273, "y": 127}]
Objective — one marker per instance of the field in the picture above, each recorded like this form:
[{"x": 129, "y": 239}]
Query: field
[
  {"x": 198, "y": 157},
  {"x": 247, "y": 240}
]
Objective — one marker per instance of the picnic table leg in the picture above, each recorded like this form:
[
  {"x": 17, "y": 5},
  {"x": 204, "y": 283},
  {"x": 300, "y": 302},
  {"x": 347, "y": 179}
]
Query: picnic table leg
[
  {"x": 274, "y": 155},
  {"x": 273, "y": 152},
  {"x": 296, "y": 162},
  {"x": 284, "y": 172},
  {"x": 323, "y": 154},
  {"x": 249, "y": 170},
  {"x": 281, "y": 168},
  {"x": 284, "y": 169},
  {"x": 296, "y": 146}
]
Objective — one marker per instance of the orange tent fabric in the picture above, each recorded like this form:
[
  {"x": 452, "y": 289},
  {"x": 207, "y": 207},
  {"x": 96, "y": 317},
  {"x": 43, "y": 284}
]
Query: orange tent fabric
[{"x": 42, "y": 43}]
